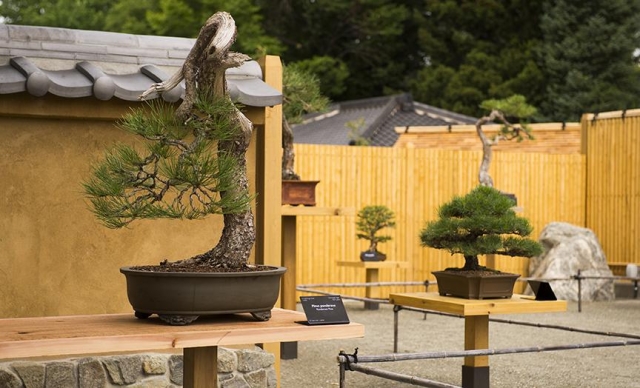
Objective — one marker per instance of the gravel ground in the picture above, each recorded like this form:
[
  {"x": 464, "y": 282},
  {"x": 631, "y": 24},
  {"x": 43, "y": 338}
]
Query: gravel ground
[{"x": 316, "y": 365}]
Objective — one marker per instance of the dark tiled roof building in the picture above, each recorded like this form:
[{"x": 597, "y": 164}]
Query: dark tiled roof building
[{"x": 379, "y": 116}]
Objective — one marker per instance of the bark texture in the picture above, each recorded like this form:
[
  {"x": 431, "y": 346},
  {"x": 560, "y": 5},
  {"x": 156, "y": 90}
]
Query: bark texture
[{"x": 204, "y": 68}]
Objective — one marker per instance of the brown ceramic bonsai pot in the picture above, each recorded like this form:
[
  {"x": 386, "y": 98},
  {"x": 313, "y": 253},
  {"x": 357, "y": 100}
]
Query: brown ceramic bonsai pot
[
  {"x": 475, "y": 285},
  {"x": 179, "y": 298},
  {"x": 297, "y": 192}
]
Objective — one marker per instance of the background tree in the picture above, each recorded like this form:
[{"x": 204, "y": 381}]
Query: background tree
[
  {"x": 476, "y": 50},
  {"x": 374, "y": 39},
  {"x": 588, "y": 57}
]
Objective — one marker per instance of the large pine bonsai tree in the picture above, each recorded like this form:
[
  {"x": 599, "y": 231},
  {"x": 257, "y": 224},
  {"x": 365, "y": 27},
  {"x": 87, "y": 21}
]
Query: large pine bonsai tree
[
  {"x": 482, "y": 222},
  {"x": 194, "y": 163}
]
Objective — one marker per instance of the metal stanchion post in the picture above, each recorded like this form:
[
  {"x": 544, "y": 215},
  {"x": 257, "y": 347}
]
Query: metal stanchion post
[
  {"x": 579, "y": 291},
  {"x": 396, "y": 309}
]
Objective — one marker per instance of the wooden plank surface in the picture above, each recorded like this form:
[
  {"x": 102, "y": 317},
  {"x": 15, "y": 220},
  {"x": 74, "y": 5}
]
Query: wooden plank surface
[
  {"x": 375, "y": 264},
  {"x": 80, "y": 334},
  {"x": 518, "y": 304},
  {"x": 288, "y": 210}
]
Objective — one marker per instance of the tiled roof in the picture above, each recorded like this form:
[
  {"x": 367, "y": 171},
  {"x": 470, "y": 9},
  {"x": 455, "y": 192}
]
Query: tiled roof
[
  {"x": 77, "y": 63},
  {"x": 381, "y": 116}
]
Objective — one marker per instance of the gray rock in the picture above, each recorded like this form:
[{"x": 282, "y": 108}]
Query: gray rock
[
  {"x": 91, "y": 374},
  {"x": 176, "y": 369},
  {"x": 227, "y": 360},
  {"x": 567, "y": 250},
  {"x": 153, "y": 364},
  {"x": 155, "y": 382},
  {"x": 123, "y": 369},
  {"x": 235, "y": 382},
  {"x": 31, "y": 373},
  {"x": 257, "y": 379},
  {"x": 250, "y": 360},
  {"x": 272, "y": 378},
  {"x": 61, "y": 374},
  {"x": 8, "y": 379}
]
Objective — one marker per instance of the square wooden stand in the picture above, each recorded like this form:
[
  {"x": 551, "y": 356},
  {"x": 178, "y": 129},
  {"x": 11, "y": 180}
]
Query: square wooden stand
[{"x": 475, "y": 371}]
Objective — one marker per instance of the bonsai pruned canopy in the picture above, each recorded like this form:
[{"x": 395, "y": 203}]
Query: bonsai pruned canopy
[{"x": 481, "y": 222}]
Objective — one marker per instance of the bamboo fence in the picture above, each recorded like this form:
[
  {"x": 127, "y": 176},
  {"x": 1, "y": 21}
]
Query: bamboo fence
[
  {"x": 611, "y": 143},
  {"x": 413, "y": 183}
]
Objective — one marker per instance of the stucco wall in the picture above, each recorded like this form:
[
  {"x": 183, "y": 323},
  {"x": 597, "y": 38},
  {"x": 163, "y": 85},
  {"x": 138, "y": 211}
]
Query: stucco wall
[{"x": 55, "y": 258}]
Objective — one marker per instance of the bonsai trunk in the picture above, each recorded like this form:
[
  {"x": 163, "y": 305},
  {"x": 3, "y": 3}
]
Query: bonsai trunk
[
  {"x": 471, "y": 263},
  {"x": 288, "y": 155},
  {"x": 205, "y": 67}
]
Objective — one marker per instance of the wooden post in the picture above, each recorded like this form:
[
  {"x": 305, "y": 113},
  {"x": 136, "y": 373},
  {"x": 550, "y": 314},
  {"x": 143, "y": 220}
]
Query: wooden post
[
  {"x": 269, "y": 188},
  {"x": 372, "y": 292},
  {"x": 289, "y": 261},
  {"x": 200, "y": 366},
  {"x": 475, "y": 371}
]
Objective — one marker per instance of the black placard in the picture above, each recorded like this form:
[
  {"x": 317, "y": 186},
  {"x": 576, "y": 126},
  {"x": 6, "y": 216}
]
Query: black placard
[
  {"x": 324, "y": 310},
  {"x": 542, "y": 290}
]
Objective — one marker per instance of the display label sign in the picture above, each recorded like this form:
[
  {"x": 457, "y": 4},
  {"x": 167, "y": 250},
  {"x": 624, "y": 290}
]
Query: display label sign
[{"x": 324, "y": 310}]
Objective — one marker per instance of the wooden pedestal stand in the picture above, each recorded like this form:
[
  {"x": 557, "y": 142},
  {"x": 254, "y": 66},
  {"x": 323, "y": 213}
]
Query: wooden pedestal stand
[
  {"x": 289, "y": 350},
  {"x": 475, "y": 371},
  {"x": 371, "y": 276},
  {"x": 88, "y": 334}
]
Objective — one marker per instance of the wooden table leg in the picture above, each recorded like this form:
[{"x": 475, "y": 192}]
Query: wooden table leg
[
  {"x": 475, "y": 371},
  {"x": 372, "y": 292},
  {"x": 289, "y": 350},
  {"x": 200, "y": 366}
]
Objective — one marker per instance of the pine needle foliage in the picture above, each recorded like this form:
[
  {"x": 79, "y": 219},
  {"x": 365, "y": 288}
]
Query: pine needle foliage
[
  {"x": 482, "y": 222},
  {"x": 372, "y": 219},
  {"x": 180, "y": 173}
]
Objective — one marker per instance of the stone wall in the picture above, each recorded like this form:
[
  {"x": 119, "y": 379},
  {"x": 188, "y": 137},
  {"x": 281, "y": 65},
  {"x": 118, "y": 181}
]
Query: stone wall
[{"x": 237, "y": 368}]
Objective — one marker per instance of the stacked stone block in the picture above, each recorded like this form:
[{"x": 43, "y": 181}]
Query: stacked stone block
[{"x": 237, "y": 368}]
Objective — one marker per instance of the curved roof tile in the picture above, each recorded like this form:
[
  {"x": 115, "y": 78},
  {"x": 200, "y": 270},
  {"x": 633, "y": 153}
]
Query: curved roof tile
[{"x": 77, "y": 63}]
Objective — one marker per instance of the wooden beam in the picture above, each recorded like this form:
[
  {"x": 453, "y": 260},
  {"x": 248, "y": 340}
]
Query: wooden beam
[{"x": 200, "y": 367}]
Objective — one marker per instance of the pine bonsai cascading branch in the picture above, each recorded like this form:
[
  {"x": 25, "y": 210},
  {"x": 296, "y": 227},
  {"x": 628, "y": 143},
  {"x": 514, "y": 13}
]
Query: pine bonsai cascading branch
[
  {"x": 301, "y": 95},
  {"x": 195, "y": 158},
  {"x": 514, "y": 106},
  {"x": 482, "y": 222},
  {"x": 371, "y": 219}
]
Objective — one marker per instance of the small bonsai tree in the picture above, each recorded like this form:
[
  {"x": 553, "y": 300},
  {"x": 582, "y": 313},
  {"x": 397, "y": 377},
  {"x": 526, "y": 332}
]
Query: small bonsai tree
[
  {"x": 482, "y": 222},
  {"x": 194, "y": 163},
  {"x": 514, "y": 107},
  {"x": 371, "y": 219}
]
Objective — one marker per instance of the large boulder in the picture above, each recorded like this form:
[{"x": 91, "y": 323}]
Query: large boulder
[{"x": 567, "y": 250}]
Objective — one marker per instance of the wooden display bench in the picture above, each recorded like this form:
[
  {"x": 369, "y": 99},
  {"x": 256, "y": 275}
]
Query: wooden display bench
[
  {"x": 289, "y": 350},
  {"x": 475, "y": 371},
  {"x": 90, "y": 334},
  {"x": 372, "y": 269}
]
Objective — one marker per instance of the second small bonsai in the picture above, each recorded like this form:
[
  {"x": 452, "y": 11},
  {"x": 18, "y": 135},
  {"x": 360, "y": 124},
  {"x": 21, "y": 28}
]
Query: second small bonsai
[
  {"x": 371, "y": 219},
  {"x": 482, "y": 222}
]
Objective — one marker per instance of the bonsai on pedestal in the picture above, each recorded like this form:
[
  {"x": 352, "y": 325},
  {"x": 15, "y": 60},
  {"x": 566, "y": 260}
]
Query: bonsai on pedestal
[
  {"x": 482, "y": 222},
  {"x": 301, "y": 94},
  {"x": 371, "y": 219},
  {"x": 194, "y": 164},
  {"x": 514, "y": 107}
]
